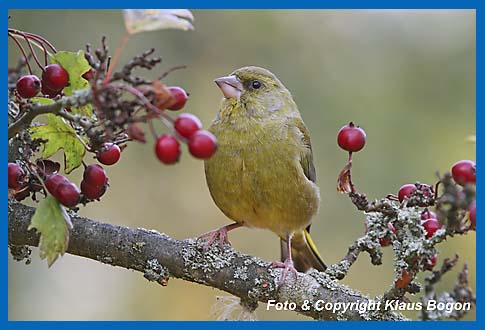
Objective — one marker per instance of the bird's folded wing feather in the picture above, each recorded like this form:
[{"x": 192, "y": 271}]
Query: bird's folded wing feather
[{"x": 306, "y": 158}]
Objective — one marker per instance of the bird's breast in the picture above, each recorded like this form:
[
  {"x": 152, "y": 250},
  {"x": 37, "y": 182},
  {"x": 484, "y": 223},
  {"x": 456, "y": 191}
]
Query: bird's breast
[{"x": 255, "y": 177}]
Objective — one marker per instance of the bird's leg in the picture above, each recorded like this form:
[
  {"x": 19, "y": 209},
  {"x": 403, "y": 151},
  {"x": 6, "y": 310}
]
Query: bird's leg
[
  {"x": 287, "y": 265},
  {"x": 220, "y": 233}
]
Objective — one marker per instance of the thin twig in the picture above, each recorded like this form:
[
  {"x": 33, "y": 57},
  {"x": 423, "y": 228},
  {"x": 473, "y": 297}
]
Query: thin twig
[
  {"x": 41, "y": 40},
  {"x": 22, "y": 50},
  {"x": 32, "y": 51},
  {"x": 166, "y": 73}
]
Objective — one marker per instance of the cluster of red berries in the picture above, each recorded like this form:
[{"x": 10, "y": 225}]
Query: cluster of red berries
[
  {"x": 352, "y": 138},
  {"x": 464, "y": 173},
  {"x": 202, "y": 144},
  {"x": 93, "y": 185},
  {"x": 94, "y": 182},
  {"x": 66, "y": 192},
  {"x": 54, "y": 79}
]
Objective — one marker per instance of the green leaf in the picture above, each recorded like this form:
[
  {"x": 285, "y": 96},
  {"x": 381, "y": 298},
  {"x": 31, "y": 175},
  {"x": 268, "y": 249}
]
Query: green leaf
[
  {"x": 53, "y": 223},
  {"x": 59, "y": 135},
  {"x": 76, "y": 65}
]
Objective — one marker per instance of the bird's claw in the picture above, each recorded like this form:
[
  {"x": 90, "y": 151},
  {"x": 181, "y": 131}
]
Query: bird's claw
[
  {"x": 287, "y": 266},
  {"x": 213, "y": 235}
]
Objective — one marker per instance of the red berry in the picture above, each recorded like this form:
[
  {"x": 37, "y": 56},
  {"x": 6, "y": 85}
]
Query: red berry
[
  {"x": 202, "y": 144},
  {"x": 28, "y": 86},
  {"x": 15, "y": 176},
  {"x": 92, "y": 192},
  {"x": 351, "y": 138},
  {"x": 180, "y": 97},
  {"x": 405, "y": 191},
  {"x": 473, "y": 215},
  {"x": 167, "y": 149},
  {"x": 53, "y": 181},
  {"x": 68, "y": 194},
  {"x": 95, "y": 175},
  {"x": 110, "y": 154},
  {"x": 427, "y": 214},
  {"x": 431, "y": 226},
  {"x": 187, "y": 124},
  {"x": 88, "y": 75},
  {"x": 385, "y": 242},
  {"x": 464, "y": 172},
  {"x": 55, "y": 77}
]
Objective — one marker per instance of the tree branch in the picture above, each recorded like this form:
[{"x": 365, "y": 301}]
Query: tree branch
[
  {"x": 159, "y": 256},
  {"x": 79, "y": 98}
]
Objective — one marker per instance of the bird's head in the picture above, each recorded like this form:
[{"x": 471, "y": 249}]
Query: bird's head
[{"x": 254, "y": 88}]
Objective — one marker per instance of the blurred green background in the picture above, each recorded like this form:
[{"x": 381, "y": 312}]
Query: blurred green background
[{"x": 407, "y": 77}]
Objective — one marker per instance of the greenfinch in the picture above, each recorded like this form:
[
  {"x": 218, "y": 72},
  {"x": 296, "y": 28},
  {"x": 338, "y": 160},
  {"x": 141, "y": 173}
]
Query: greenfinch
[{"x": 262, "y": 175}]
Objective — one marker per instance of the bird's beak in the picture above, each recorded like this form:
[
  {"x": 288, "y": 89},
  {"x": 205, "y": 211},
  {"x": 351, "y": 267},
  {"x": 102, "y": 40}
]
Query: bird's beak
[{"x": 230, "y": 86}]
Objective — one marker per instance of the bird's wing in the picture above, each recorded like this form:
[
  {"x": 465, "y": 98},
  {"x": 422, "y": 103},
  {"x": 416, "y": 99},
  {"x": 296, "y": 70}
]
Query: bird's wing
[{"x": 306, "y": 158}]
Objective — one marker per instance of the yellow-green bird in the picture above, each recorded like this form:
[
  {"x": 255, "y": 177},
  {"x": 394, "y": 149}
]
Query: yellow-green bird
[{"x": 262, "y": 174}]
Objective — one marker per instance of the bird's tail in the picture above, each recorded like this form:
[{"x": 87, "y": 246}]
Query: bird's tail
[{"x": 304, "y": 252}]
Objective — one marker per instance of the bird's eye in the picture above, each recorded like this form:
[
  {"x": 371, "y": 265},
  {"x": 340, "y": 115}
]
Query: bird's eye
[{"x": 256, "y": 84}]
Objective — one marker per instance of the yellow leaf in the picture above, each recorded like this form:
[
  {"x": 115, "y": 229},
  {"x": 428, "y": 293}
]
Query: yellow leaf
[
  {"x": 59, "y": 135},
  {"x": 141, "y": 20}
]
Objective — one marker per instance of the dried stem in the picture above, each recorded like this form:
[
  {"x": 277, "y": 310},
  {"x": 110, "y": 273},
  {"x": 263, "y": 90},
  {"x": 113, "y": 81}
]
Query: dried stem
[{"x": 22, "y": 50}]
